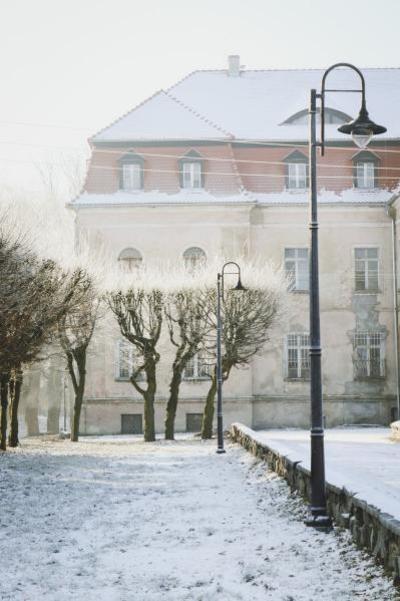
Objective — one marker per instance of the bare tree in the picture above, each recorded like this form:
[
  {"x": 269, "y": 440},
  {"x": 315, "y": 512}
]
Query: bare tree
[
  {"x": 30, "y": 305},
  {"x": 188, "y": 326},
  {"x": 139, "y": 314},
  {"x": 248, "y": 317},
  {"x": 75, "y": 331}
]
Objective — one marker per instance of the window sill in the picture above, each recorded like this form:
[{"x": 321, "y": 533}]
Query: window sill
[
  {"x": 369, "y": 378},
  {"x": 133, "y": 191},
  {"x": 128, "y": 380},
  {"x": 296, "y": 190},
  {"x": 199, "y": 379},
  {"x": 296, "y": 379},
  {"x": 298, "y": 291},
  {"x": 370, "y": 291}
]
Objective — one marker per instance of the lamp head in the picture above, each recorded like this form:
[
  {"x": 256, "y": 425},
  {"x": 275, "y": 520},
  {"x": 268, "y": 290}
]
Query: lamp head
[
  {"x": 362, "y": 129},
  {"x": 239, "y": 286}
]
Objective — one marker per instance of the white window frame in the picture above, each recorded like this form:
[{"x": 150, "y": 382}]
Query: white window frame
[
  {"x": 297, "y": 356},
  {"x": 297, "y": 175},
  {"x": 191, "y": 175},
  {"x": 200, "y": 367},
  {"x": 194, "y": 258},
  {"x": 130, "y": 260},
  {"x": 131, "y": 176},
  {"x": 296, "y": 275},
  {"x": 365, "y": 175},
  {"x": 369, "y": 354},
  {"x": 131, "y": 355},
  {"x": 370, "y": 278}
]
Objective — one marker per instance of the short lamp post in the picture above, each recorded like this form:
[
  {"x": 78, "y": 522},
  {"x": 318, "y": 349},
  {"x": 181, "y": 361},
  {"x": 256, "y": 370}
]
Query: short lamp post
[
  {"x": 362, "y": 129},
  {"x": 220, "y": 297}
]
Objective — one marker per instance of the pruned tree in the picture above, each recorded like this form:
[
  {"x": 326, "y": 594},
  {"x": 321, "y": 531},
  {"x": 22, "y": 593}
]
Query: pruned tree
[
  {"x": 75, "y": 331},
  {"x": 139, "y": 313},
  {"x": 30, "y": 304},
  {"x": 248, "y": 317},
  {"x": 188, "y": 325}
]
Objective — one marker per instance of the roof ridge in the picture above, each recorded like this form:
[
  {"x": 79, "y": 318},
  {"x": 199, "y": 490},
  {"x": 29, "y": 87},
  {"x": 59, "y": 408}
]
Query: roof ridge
[
  {"x": 269, "y": 69},
  {"x": 160, "y": 91},
  {"x": 199, "y": 115}
]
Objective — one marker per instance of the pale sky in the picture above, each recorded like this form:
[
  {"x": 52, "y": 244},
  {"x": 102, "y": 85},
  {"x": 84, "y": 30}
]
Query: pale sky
[{"x": 70, "y": 67}]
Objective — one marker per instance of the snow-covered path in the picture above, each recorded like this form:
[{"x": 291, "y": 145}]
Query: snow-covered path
[{"x": 126, "y": 521}]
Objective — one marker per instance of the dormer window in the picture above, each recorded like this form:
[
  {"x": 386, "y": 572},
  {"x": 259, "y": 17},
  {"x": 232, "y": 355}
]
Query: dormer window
[
  {"x": 365, "y": 170},
  {"x": 296, "y": 171},
  {"x": 330, "y": 116},
  {"x": 191, "y": 171},
  {"x": 131, "y": 170}
]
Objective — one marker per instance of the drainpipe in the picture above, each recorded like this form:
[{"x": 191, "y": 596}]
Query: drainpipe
[{"x": 391, "y": 212}]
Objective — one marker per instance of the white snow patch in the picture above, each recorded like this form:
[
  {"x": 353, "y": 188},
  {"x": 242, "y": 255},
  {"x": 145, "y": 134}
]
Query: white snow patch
[{"x": 122, "y": 520}]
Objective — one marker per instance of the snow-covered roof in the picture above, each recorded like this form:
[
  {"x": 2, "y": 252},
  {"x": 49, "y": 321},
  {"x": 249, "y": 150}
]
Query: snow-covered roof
[
  {"x": 213, "y": 105},
  {"x": 155, "y": 197},
  {"x": 162, "y": 117}
]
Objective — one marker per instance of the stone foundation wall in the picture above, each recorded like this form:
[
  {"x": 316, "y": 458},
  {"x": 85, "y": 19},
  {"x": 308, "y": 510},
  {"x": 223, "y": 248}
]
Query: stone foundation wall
[{"x": 371, "y": 529}]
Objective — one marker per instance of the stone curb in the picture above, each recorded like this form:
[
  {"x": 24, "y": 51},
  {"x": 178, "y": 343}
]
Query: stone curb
[{"x": 371, "y": 529}]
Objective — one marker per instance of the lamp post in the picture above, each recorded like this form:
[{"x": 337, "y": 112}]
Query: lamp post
[
  {"x": 220, "y": 297},
  {"x": 361, "y": 129}
]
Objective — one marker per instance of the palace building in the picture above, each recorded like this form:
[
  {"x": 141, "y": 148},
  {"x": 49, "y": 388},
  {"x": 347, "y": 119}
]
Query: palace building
[{"x": 218, "y": 165}]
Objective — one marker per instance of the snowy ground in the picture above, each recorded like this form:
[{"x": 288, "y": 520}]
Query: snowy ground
[
  {"x": 121, "y": 520},
  {"x": 364, "y": 460}
]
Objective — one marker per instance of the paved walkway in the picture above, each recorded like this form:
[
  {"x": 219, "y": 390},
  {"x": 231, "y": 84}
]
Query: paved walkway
[{"x": 121, "y": 520}]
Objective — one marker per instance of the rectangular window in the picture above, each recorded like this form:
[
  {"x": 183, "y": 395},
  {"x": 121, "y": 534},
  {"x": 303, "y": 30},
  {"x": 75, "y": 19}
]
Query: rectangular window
[
  {"x": 191, "y": 175},
  {"x": 194, "y": 422},
  {"x": 200, "y": 367},
  {"x": 132, "y": 423},
  {"x": 298, "y": 360},
  {"x": 296, "y": 268},
  {"x": 297, "y": 176},
  {"x": 369, "y": 355},
  {"x": 132, "y": 176},
  {"x": 366, "y": 269},
  {"x": 365, "y": 175},
  {"x": 126, "y": 361}
]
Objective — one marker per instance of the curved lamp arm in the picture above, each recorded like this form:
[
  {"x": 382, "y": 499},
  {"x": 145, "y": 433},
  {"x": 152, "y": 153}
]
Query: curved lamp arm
[
  {"x": 221, "y": 275},
  {"x": 324, "y": 90}
]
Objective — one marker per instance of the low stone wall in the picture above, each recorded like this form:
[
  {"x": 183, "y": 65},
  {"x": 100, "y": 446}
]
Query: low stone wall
[
  {"x": 395, "y": 430},
  {"x": 371, "y": 529}
]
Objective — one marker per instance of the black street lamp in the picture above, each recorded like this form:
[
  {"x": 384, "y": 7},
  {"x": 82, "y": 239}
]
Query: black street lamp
[
  {"x": 361, "y": 129},
  {"x": 220, "y": 296}
]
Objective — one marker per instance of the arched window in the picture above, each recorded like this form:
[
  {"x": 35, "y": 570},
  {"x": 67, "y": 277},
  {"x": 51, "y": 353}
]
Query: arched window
[
  {"x": 130, "y": 259},
  {"x": 331, "y": 116},
  {"x": 194, "y": 258},
  {"x": 191, "y": 171},
  {"x": 131, "y": 172}
]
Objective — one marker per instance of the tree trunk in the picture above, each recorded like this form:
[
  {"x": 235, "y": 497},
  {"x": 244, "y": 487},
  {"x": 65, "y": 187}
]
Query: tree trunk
[
  {"x": 76, "y": 417},
  {"x": 80, "y": 359},
  {"x": 13, "y": 439},
  {"x": 208, "y": 414},
  {"x": 172, "y": 403},
  {"x": 149, "y": 396},
  {"x": 4, "y": 380}
]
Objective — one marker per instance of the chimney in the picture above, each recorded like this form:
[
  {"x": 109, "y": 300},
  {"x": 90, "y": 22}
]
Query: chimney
[{"x": 234, "y": 65}]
